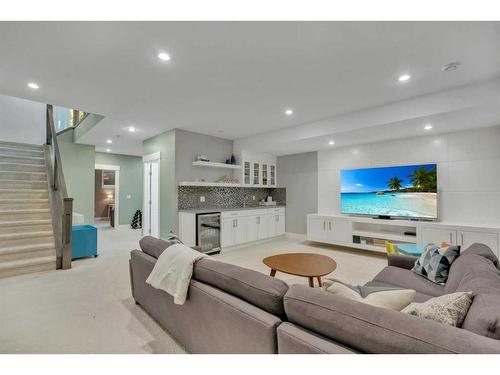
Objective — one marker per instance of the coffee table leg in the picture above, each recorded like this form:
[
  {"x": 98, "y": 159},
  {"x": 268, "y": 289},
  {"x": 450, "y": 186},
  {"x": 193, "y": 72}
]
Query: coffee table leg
[
  {"x": 311, "y": 282},
  {"x": 273, "y": 272},
  {"x": 319, "y": 281}
]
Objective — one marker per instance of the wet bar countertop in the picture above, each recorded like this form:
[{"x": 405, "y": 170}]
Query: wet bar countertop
[{"x": 219, "y": 209}]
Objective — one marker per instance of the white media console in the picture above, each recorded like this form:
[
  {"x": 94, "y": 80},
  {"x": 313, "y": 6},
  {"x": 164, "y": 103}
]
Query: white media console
[{"x": 370, "y": 234}]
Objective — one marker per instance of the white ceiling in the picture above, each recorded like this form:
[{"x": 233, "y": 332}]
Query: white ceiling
[{"x": 235, "y": 79}]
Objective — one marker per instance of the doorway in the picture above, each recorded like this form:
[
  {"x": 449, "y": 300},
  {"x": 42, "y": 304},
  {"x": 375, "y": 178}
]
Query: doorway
[
  {"x": 106, "y": 197},
  {"x": 151, "y": 204}
]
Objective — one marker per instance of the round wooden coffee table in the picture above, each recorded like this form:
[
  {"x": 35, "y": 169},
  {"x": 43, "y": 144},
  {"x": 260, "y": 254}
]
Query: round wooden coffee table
[{"x": 312, "y": 266}]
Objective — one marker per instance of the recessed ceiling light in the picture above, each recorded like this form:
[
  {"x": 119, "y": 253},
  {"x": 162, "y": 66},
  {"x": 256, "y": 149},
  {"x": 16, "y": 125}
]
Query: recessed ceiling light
[
  {"x": 108, "y": 150},
  {"x": 289, "y": 112},
  {"x": 404, "y": 77},
  {"x": 428, "y": 127},
  {"x": 109, "y": 141},
  {"x": 33, "y": 85},
  {"x": 332, "y": 142},
  {"x": 450, "y": 67},
  {"x": 131, "y": 129},
  {"x": 164, "y": 56}
]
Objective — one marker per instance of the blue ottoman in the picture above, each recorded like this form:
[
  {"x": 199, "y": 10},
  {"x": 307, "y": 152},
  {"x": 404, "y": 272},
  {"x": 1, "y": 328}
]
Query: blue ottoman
[{"x": 83, "y": 241}]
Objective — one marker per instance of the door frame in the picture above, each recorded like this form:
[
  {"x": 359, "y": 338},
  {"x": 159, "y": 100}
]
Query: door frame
[
  {"x": 116, "y": 168},
  {"x": 154, "y": 157}
]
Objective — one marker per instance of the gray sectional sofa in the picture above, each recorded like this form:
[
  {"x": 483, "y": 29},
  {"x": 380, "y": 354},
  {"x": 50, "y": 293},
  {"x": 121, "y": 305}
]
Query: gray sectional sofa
[{"x": 231, "y": 309}]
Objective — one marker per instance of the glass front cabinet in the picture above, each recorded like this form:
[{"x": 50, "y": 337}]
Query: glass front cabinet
[
  {"x": 258, "y": 172},
  {"x": 265, "y": 177},
  {"x": 272, "y": 175},
  {"x": 247, "y": 173}
]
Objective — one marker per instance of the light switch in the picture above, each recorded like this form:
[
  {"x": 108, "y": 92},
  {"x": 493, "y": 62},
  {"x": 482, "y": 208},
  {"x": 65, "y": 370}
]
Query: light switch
[
  {"x": 129, "y": 196},
  {"x": 253, "y": 197},
  {"x": 202, "y": 198}
]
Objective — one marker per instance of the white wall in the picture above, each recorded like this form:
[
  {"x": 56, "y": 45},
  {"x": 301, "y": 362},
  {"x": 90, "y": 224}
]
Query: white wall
[
  {"x": 21, "y": 121},
  {"x": 468, "y": 171}
]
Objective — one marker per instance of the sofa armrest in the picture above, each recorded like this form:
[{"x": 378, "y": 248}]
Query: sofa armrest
[
  {"x": 401, "y": 261},
  {"x": 371, "y": 329}
]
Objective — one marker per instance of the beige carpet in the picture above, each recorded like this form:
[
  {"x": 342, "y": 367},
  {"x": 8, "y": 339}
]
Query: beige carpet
[{"x": 89, "y": 308}]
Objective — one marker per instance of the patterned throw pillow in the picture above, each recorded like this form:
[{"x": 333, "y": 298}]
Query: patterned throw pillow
[
  {"x": 434, "y": 263},
  {"x": 449, "y": 309}
]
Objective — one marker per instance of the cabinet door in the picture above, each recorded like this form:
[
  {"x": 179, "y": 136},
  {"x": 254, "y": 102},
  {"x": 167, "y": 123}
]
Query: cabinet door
[
  {"x": 265, "y": 176},
  {"x": 227, "y": 232},
  {"x": 247, "y": 173},
  {"x": 467, "y": 238},
  {"x": 240, "y": 233},
  {"x": 272, "y": 175},
  {"x": 256, "y": 173},
  {"x": 338, "y": 231},
  {"x": 252, "y": 228},
  {"x": 439, "y": 235},
  {"x": 262, "y": 231},
  {"x": 270, "y": 220},
  {"x": 280, "y": 224},
  {"x": 317, "y": 229}
]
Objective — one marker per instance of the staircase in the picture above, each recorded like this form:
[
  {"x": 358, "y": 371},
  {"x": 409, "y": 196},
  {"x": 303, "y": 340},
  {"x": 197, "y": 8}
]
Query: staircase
[{"x": 26, "y": 235}]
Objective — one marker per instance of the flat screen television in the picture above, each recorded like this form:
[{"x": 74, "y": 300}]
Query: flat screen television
[{"x": 408, "y": 191}]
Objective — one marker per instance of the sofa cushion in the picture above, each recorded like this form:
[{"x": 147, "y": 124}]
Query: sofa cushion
[
  {"x": 407, "y": 279},
  {"x": 257, "y": 288},
  {"x": 473, "y": 273},
  {"x": 484, "y": 316},
  {"x": 448, "y": 309},
  {"x": 154, "y": 246},
  {"x": 371, "y": 329},
  {"x": 482, "y": 250},
  {"x": 434, "y": 263}
]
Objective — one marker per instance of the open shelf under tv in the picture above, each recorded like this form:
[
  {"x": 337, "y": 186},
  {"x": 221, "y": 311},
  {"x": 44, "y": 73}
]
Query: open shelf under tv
[{"x": 374, "y": 234}]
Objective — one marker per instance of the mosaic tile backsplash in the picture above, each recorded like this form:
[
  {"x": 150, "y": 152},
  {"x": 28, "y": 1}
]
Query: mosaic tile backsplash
[{"x": 226, "y": 197}]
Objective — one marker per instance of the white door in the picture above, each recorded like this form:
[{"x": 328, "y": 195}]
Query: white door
[
  {"x": 151, "y": 209},
  {"x": 280, "y": 224},
  {"x": 240, "y": 233},
  {"x": 467, "y": 238},
  {"x": 338, "y": 231},
  {"x": 227, "y": 232},
  {"x": 252, "y": 228},
  {"x": 439, "y": 235},
  {"x": 262, "y": 231},
  {"x": 317, "y": 229}
]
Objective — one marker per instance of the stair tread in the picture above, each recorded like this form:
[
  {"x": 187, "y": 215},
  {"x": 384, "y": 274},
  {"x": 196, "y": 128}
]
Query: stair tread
[
  {"x": 3, "y": 162},
  {"x": 24, "y": 210},
  {"x": 21, "y": 145},
  {"x": 9, "y": 147},
  {"x": 26, "y": 262},
  {"x": 21, "y": 156},
  {"x": 41, "y": 233},
  {"x": 27, "y": 248},
  {"x": 23, "y": 172},
  {"x": 22, "y": 200},
  {"x": 24, "y": 222},
  {"x": 22, "y": 190},
  {"x": 23, "y": 181}
]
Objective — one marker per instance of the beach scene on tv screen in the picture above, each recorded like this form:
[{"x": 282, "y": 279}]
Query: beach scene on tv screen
[{"x": 406, "y": 191}]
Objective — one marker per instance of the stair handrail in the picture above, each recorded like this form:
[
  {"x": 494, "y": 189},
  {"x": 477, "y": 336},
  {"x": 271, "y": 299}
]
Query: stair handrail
[{"x": 61, "y": 203}]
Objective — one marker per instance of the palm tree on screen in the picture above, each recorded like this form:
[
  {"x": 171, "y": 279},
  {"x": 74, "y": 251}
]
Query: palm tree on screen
[{"x": 395, "y": 183}]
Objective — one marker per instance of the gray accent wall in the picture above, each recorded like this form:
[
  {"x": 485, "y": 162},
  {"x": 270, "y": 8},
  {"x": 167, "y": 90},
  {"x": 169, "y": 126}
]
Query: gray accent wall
[
  {"x": 299, "y": 174},
  {"x": 189, "y": 145}
]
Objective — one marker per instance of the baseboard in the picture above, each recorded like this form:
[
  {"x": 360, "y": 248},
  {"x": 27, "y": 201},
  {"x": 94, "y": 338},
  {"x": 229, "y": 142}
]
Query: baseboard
[{"x": 296, "y": 236}]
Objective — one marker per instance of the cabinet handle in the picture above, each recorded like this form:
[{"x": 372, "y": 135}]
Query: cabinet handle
[
  {"x": 236, "y": 222},
  {"x": 324, "y": 225},
  {"x": 330, "y": 225},
  {"x": 462, "y": 236},
  {"x": 451, "y": 238}
]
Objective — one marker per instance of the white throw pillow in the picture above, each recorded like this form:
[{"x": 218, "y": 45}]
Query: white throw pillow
[{"x": 387, "y": 298}]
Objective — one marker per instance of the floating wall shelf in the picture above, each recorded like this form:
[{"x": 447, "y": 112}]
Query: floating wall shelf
[{"x": 212, "y": 164}]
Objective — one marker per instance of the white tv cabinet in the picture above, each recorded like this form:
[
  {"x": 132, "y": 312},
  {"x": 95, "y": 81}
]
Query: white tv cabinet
[{"x": 370, "y": 234}]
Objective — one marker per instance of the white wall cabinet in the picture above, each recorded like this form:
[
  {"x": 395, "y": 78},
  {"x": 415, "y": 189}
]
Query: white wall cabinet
[{"x": 258, "y": 169}]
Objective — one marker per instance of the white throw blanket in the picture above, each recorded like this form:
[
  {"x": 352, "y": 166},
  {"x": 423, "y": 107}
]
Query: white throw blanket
[{"x": 173, "y": 270}]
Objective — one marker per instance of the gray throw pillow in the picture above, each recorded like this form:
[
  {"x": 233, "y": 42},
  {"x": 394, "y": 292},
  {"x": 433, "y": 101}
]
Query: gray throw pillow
[
  {"x": 434, "y": 263},
  {"x": 448, "y": 309},
  {"x": 154, "y": 246}
]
